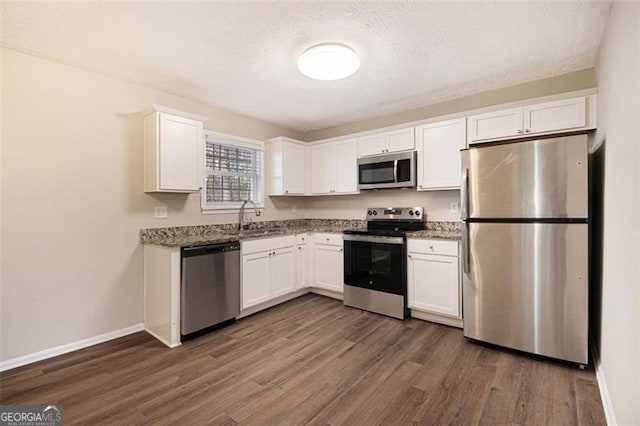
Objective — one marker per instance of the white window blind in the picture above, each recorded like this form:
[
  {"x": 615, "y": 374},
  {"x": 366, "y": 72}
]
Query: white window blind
[{"x": 232, "y": 174}]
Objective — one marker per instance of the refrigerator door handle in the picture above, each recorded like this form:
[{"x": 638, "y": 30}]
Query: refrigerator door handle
[
  {"x": 464, "y": 194},
  {"x": 466, "y": 261}
]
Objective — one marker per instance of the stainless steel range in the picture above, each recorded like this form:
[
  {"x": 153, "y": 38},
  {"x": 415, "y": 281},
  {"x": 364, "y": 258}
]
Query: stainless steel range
[{"x": 375, "y": 260}]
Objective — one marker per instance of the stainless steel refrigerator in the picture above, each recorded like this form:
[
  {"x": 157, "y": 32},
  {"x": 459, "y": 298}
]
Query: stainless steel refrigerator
[{"x": 525, "y": 245}]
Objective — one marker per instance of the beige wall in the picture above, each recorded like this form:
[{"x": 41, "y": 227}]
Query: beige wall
[
  {"x": 578, "y": 80},
  {"x": 436, "y": 203},
  {"x": 618, "y": 77},
  {"x": 73, "y": 201}
]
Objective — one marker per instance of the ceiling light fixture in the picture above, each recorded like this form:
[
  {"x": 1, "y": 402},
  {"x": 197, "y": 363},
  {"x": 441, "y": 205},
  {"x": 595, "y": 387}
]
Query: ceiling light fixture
[{"x": 328, "y": 61}]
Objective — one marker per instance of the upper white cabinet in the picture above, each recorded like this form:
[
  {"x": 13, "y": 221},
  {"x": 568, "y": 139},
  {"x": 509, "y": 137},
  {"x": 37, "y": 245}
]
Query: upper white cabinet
[
  {"x": 287, "y": 160},
  {"x": 496, "y": 124},
  {"x": 391, "y": 141},
  {"x": 433, "y": 278},
  {"x": 543, "y": 118},
  {"x": 555, "y": 116},
  {"x": 173, "y": 144},
  {"x": 334, "y": 167},
  {"x": 438, "y": 146}
]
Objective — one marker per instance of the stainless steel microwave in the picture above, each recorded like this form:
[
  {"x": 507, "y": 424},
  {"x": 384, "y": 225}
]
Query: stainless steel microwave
[{"x": 396, "y": 170}]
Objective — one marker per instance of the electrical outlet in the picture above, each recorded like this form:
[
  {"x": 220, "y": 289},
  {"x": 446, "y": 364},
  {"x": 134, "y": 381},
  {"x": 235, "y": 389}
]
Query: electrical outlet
[
  {"x": 453, "y": 207},
  {"x": 160, "y": 212}
]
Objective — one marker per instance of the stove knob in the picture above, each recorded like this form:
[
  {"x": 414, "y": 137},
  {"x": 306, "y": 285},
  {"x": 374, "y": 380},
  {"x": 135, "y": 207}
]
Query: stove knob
[
  {"x": 369, "y": 213},
  {"x": 411, "y": 212},
  {"x": 375, "y": 212},
  {"x": 417, "y": 212}
]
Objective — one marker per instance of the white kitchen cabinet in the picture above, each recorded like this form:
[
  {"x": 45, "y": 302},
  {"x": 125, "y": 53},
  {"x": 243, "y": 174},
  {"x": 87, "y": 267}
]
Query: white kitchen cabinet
[
  {"x": 496, "y": 124},
  {"x": 255, "y": 278},
  {"x": 287, "y": 160},
  {"x": 390, "y": 141},
  {"x": 438, "y": 146},
  {"x": 555, "y": 116},
  {"x": 282, "y": 271},
  {"x": 303, "y": 260},
  {"x": 322, "y": 169},
  {"x": 334, "y": 167},
  {"x": 346, "y": 166},
  {"x": 268, "y": 269},
  {"x": 536, "y": 119},
  {"x": 328, "y": 262},
  {"x": 173, "y": 145},
  {"x": 433, "y": 277}
]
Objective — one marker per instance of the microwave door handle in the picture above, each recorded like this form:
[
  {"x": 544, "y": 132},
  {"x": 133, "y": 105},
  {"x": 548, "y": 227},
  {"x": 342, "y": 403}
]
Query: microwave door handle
[{"x": 395, "y": 171}]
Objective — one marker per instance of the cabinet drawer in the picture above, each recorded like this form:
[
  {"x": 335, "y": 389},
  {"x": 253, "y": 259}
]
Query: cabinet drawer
[
  {"x": 301, "y": 239},
  {"x": 264, "y": 244},
  {"x": 327, "y": 238},
  {"x": 442, "y": 247}
]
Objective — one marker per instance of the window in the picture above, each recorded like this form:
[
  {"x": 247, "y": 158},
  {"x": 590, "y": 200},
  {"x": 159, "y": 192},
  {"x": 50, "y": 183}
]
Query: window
[{"x": 233, "y": 173}]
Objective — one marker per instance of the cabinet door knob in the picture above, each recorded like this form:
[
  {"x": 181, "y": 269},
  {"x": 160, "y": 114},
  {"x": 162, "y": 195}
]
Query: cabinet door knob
[
  {"x": 327, "y": 239},
  {"x": 519, "y": 130},
  {"x": 286, "y": 191},
  {"x": 431, "y": 247},
  {"x": 341, "y": 249},
  {"x": 527, "y": 130},
  {"x": 299, "y": 248},
  {"x": 409, "y": 256}
]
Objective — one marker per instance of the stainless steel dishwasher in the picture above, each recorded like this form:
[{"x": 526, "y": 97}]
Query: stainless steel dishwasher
[{"x": 210, "y": 287}]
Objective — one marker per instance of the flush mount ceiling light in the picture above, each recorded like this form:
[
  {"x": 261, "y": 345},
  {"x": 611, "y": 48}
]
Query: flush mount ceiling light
[{"x": 328, "y": 61}]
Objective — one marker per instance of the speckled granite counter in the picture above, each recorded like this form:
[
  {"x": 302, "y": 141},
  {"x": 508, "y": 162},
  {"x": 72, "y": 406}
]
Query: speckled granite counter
[
  {"x": 183, "y": 236},
  {"x": 439, "y": 231}
]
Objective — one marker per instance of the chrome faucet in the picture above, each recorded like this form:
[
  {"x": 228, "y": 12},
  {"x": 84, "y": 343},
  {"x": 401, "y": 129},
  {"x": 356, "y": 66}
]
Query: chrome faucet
[{"x": 241, "y": 213}]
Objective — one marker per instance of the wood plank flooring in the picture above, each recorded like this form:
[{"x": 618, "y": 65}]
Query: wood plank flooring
[{"x": 309, "y": 361}]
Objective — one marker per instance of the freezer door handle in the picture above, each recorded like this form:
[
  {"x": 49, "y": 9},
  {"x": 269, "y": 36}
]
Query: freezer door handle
[
  {"x": 464, "y": 194},
  {"x": 466, "y": 261}
]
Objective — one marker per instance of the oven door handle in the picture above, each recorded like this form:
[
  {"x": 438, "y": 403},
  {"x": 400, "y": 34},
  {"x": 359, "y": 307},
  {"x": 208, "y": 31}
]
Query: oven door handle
[{"x": 373, "y": 239}]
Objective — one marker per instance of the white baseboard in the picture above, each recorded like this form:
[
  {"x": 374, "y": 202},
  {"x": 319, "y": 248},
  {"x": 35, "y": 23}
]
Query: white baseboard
[
  {"x": 167, "y": 343},
  {"x": 327, "y": 293},
  {"x": 441, "y": 319},
  {"x": 69, "y": 347},
  {"x": 602, "y": 385},
  {"x": 273, "y": 302}
]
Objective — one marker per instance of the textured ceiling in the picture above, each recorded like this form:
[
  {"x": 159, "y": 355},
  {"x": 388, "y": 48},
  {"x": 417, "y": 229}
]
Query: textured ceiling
[{"x": 242, "y": 56}]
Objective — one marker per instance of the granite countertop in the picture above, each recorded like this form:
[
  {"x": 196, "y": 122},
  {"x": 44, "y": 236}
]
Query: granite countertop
[
  {"x": 185, "y": 236},
  {"x": 428, "y": 234}
]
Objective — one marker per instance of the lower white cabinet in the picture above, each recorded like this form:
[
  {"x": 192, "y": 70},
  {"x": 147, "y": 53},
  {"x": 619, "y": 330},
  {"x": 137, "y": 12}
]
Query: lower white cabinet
[
  {"x": 268, "y": 269},
  {"x": 328, "y": 262},
  {"x": 303, "y": 260},
  {"x": 255, "y": 278},
  {"x": 434, "y": 277}
]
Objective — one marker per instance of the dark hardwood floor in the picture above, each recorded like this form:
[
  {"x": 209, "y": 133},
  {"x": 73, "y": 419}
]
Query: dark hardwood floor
[{"x": 310, "y": 360}]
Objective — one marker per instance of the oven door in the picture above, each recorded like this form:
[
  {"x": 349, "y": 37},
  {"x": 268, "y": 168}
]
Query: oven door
[{"x": 375, "y": 263}]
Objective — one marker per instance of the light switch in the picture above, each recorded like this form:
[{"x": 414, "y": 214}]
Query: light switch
[
  {"x": 453, "y": 207},
  {"x": 160, "y": 212}
]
